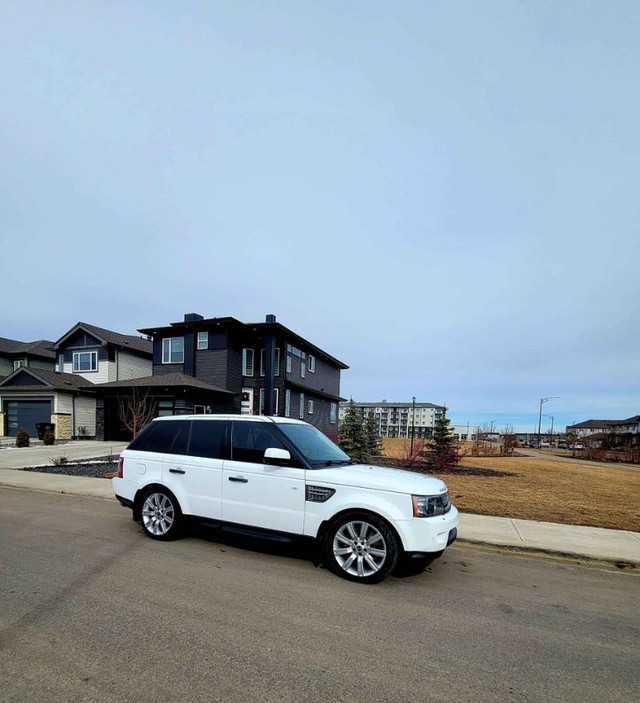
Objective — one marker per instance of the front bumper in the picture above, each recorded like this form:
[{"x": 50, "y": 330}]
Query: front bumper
[{"x": 429, "y": 534}]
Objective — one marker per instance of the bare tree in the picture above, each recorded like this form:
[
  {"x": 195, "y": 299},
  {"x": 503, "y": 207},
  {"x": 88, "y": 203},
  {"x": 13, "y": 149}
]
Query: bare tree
[{"x": 136, "y": 411}]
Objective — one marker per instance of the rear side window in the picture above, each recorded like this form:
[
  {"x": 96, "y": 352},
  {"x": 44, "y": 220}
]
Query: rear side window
[
  {"x": 208, "y": 438},
  {"x": 250, "y": 439},
  {"x": 158, "y": 437}
]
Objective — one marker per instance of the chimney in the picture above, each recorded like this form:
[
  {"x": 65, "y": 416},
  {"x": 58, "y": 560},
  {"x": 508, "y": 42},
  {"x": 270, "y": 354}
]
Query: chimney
[
  {"x": 270, "y": 318},
  {"x": 192, "y": 317}
]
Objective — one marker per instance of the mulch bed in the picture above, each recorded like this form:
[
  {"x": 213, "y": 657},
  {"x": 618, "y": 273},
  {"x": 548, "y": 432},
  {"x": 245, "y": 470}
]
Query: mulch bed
[
  {"x": 96, "y": 468},
  {"x": 425, "y": 468}
]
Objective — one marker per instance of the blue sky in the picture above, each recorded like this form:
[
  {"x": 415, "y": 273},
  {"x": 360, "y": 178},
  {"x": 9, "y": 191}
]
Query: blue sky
[{"x": 443, "y": 195}]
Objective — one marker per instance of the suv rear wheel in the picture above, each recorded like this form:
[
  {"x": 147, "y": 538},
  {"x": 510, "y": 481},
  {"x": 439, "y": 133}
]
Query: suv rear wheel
[
  {"x": 160, "y": 515},
  {"x": 361, "y": 547}
]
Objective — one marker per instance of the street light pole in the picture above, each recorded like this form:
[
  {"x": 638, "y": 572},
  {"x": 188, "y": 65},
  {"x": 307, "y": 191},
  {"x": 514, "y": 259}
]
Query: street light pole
[
  {"x": 542, "y": 401},
  {"x": 413, "y": 422},
  {"x": 551, "y": 416}
]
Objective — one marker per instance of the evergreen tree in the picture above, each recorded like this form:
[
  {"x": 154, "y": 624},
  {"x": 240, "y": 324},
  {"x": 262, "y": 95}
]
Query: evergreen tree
[
  {"x": 353, "y": 440},
  {"x": 374, "y": 441},
  {"x": 444, "y": 453}
]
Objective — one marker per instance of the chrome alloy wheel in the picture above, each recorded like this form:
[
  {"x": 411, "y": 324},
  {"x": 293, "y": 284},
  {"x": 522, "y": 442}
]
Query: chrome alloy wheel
[
  {"x": 158, "y": 514},
  {"x": 359, "y": 548}
]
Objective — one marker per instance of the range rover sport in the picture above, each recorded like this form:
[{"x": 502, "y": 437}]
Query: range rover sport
[{"x": 283, "y": 478}]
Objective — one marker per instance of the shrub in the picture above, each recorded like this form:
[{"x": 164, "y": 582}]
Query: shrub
[
  {"x": 49, "y": 438},
  {"x": 59, "y": 460},
  {"x": 22, "y": 438}
]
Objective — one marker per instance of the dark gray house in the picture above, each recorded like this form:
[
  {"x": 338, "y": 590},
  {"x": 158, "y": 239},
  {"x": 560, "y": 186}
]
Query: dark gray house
[
  {"x": 15, "y": 354},
  {"x": 249, "y": 368}
]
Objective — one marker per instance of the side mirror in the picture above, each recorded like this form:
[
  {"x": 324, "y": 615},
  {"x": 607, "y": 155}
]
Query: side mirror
[{"x": 277, "y": 457}]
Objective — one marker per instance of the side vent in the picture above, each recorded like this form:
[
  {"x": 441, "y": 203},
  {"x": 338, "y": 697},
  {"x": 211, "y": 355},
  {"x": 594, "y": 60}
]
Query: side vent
[{"x": 319, "y": 494}]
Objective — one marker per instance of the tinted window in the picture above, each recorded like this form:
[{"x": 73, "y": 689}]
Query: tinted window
[
  {"x": 250, "y": 439},
  {"x": 208, "y": 438},
  {"x": 140, "y": 438},
  {"x": 159, "y": 438},
  {"x": 181, "y": 440}
]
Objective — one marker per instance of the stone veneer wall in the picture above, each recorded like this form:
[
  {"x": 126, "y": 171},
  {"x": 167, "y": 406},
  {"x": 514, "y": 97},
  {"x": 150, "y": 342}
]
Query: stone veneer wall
[
  {"x": 63, "y": 425},
  {"x": 1, "y": 424}
]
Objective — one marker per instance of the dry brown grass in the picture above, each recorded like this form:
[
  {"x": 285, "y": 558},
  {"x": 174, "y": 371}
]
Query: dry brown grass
[{"x": 547, "y": 490}]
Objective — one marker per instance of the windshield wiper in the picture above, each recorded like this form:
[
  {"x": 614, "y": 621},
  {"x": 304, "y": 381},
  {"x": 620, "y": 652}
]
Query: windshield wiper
[{"x": 337, "y": 462}]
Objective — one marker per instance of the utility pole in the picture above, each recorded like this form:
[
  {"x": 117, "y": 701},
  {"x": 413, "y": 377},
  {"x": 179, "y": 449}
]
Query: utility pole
[{"x": 413, "y": 423}]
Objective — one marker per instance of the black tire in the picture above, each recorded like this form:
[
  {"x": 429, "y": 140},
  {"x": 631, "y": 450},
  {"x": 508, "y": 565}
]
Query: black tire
[
  {"x": 160, "y": 515},
  {"x": 361, "y": 547}
]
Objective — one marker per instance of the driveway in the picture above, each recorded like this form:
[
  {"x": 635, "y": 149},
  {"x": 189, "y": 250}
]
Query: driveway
[
  {"x": 541, "y": 454},
  {"x": 95, "y": 611},
  {"x": 13, "y": 458}
]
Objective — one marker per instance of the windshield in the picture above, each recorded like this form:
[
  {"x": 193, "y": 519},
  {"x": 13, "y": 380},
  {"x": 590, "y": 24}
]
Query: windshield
[{"x": 314, "y": 446}]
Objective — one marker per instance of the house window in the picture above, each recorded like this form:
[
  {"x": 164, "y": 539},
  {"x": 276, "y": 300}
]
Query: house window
[
  {"x": 288, "y": 364},
  {"x": 203, "y": 340},
  {"x": 310, "y": 407},
  {"x": 85, "y": 361},
  {"x": 276, "y": 370},
  {"x": 247, "y": 362},
  {"x": 60, "y": 363},
  {"x": 301, "y": 406},
  {"x": 276, "y": 396},
  {"x": 18, "y": 363},
  {"x": 312, "y": 363},
  {"x": 287, "y": 403},
  {"x": 333, "y": 412},
  {"x": 199, "y": 409},
  {"x": 303, "y": 369},
  {"x": 173, "y": 350},
  {"x": 165, "y": 407}
]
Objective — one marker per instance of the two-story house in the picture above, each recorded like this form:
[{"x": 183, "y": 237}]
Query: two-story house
[
  {"x": 65, "y": 396},
  {"x": 14, "y": 354},
  {"x": 252, "y": 368}
]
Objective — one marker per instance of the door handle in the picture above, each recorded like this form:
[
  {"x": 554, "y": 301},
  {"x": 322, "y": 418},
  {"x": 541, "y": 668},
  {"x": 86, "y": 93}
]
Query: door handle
[
  {"x": 238, "y": 479},
  {"x": 177, "y": 471}
]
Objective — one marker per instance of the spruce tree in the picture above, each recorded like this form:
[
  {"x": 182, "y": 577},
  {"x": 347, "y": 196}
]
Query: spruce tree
[
  {"x": 444, "y": 454},
  {"x": 353, "y": 440},
  {"x": 374, "y": 441}
]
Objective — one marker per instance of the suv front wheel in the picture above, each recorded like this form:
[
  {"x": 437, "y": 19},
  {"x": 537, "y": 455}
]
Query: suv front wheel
[{"x": 361, "y": 547}]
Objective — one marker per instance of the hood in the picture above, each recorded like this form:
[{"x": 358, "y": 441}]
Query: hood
[{"x": 378, "y": 478}]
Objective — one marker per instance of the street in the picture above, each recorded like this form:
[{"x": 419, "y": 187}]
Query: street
[{"x": 92, "y": 610}]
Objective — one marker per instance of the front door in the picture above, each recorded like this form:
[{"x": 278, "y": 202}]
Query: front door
[
  {"x": 246, "y": 407},
  {"x": 257, "y": 494}
]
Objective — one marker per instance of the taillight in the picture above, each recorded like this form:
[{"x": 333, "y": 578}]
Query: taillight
[{"x": 120, "y": 467}]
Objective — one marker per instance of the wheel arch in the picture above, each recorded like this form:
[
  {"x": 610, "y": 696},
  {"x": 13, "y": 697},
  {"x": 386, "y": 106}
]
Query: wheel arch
[
  {"x": 326, "y": 524},
  {"x": 142, "y": 492}
]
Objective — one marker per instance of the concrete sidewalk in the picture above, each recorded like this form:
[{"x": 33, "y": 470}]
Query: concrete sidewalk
[
  {"x": 13, "y": 458},
  {"x": 586, "y": 543}
]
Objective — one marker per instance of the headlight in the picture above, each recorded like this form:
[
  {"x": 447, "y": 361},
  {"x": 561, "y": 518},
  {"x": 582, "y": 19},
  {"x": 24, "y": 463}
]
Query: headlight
[{"x": 428, "y": 506}]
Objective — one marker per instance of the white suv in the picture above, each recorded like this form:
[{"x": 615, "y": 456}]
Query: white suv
[{"x": 285, "y": 479}]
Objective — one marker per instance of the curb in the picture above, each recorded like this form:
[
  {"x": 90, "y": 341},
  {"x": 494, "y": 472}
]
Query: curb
[{"x": 552, "y": 553}]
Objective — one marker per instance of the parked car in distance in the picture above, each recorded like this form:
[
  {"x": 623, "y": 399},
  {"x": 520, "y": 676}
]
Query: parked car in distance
[
  {"x": 545, "y": 445},
  {"x": 284, "y": 479},
  {"x": 563, "y": 445},
  {"x": 577, "y": 445}
]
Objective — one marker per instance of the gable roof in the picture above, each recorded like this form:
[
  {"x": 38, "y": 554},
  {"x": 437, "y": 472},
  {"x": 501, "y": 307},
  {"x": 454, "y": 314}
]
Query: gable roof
[
  {"x": 591, "y": 425},
  {"x": 125, "y": 341},
  {"x": 164, "y": 380},
  {"x": 42, "y": 347},
  {"x": 629, "y": 421},
  {"x": 52, "y": 380}
]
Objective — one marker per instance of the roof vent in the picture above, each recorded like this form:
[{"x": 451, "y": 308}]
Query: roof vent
[
  {"x": 270, "y": 318},
  {"x": 192, "y": 317}
]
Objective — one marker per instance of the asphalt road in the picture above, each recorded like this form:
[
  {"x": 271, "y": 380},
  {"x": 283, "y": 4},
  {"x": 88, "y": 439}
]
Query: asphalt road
[{"x": 92, "y": 610}]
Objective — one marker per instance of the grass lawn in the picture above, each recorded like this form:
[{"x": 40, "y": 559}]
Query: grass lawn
[{"x": 547, "y": 490}]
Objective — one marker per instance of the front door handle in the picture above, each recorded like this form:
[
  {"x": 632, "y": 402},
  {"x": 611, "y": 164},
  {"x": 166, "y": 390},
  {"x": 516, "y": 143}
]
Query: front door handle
[
  {"x": 177, "y": 471},
  {"x": 238, "y": 479}
]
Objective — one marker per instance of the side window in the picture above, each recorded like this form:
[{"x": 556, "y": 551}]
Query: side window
[
  {"x": 208, "y": 438},
  {"x": 159, "y": 438},
  {"x": 179, "y": 445},
  {"x": 250, "y": 439}
]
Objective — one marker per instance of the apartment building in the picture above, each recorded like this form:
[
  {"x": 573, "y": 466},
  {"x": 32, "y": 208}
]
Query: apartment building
[{"x": 396, "y": 419}]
